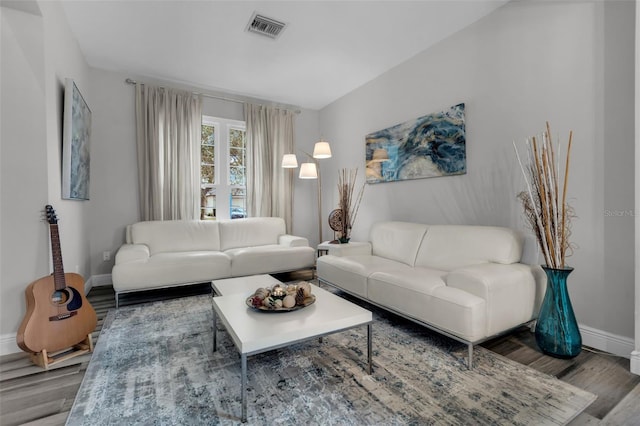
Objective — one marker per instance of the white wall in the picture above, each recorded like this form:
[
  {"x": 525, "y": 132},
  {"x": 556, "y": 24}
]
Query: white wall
[
  {"x": 114, "y": 165},
  {"x": 63, "y": 59},
  {"x": 114, "y": 161},
  {"x": 618, "y": 114},
  {"x": 524, "y": 64},
  {"x": 305, "y": 196},
  {"x": 23, "y": 184},
  {"x": 635, "y": 357},
  {"x": 38, "y": 52}
]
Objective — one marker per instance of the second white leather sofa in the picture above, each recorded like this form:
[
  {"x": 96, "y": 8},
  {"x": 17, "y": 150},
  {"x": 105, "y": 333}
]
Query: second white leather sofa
[
  {"x": 170, "y": 253},
  {"x": 463, "y": 281}
]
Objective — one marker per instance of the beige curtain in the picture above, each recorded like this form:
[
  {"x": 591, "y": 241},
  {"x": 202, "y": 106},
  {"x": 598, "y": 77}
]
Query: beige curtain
[
  {"x": 168, "y": 126},
  {"x": 269, "y": 135}
]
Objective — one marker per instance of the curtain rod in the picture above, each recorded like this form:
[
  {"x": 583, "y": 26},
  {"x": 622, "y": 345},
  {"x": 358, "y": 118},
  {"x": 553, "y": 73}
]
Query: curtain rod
[{"x": 223, "y": 98}]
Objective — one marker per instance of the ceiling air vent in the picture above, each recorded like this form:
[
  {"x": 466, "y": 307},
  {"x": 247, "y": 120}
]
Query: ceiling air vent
[{"x": 265, "y": 26}]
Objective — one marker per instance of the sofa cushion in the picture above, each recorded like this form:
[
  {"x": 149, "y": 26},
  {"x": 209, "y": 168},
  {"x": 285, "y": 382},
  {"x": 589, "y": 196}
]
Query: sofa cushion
[
  {"x": 509, "y": 291},
  {"x": 170, "y": 268},
  {"x": 449, "y": 247},
  {"x": 422, "y": 294},
  {"x": 351, "y": 272},
  {"x": 292, "y": 241},
  {"x": 420, "y": 280},
  {"x": 350, "y": 249},
  {"x": 250, "y": 232},
  {"x": 397, "y": 241},
  {"x": 176, "y": 235},
  {"x": 269, "y": 259},
  {"x": 132, "y": 253},
  {"x": 394, "y": 287}
]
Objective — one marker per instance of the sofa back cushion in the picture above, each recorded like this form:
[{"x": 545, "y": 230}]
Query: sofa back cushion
[
  {"x": 449, "y": 247},
  {"x": 176, "y": 235},
  {"x": 397, "y": 241},
  {"x": 250, "y": 232}
]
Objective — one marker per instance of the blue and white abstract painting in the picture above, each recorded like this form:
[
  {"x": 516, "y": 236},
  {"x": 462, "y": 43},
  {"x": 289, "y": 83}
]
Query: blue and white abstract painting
[
  {"x": 76, "y": 147},
  {"x": 429, "y": 146}
]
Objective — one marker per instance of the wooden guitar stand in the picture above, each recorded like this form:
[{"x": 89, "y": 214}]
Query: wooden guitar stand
[{"x": 45, "y": 360}]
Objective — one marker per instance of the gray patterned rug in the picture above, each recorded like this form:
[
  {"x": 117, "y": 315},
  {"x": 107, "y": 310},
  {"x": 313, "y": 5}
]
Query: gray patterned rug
[{"x": 153, "y": 364}]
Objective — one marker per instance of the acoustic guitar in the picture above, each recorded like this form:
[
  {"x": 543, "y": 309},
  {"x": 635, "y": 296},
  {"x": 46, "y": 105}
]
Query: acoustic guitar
[{"x": 58, "y": 314}]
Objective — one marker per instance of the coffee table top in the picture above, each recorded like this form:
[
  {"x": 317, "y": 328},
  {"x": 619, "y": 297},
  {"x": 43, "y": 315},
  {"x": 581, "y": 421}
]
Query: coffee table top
[
  {"x": 254, "y": 332},
  {"x": 242, "y": 285}
]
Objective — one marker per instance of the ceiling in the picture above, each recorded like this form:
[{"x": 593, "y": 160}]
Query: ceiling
[{"x": 328, "y": 48}]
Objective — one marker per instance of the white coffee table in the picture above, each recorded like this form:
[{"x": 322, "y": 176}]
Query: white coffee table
[
  {"x": 255, "y": 332},
  {"x": 244, "y": 285}
]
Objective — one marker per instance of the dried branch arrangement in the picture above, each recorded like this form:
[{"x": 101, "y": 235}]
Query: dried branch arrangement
[
  {"x": 545, "y": 200},
  {"x": 346, "y": 202}
]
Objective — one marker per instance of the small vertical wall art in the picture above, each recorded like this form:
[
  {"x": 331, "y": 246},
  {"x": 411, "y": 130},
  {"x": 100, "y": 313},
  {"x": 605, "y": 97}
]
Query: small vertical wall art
[{"x": 75, "y": 144}]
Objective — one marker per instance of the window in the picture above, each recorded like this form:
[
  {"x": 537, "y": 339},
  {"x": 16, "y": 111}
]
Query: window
[{"x": 223, "y": 183}]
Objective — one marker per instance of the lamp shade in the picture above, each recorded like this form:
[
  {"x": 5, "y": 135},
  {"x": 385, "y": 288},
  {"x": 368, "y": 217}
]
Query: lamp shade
[
  {"x": 308, "y": 171},
  {"x": 322, "y": 150},
  {"x": 289, "y": 161}
]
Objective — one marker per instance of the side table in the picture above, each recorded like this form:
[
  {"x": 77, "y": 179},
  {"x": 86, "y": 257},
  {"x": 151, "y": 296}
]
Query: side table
[
  {"x": 323, "y": 248},
  {"x": 327, "y": 247}
]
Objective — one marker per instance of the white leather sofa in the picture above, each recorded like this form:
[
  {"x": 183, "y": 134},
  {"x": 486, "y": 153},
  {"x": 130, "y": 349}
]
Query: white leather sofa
[
  {"x": 463, "y": 281},
  {"x": 161, "y": 254}
]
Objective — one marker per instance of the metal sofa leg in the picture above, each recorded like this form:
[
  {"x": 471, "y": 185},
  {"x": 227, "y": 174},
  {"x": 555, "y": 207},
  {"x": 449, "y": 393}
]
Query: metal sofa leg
[
  {"x": 470, "y": 361},
  {"x": 117, "y": 299}
]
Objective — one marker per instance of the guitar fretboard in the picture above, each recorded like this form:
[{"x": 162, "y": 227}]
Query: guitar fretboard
[{"x": 56, "y": 253}]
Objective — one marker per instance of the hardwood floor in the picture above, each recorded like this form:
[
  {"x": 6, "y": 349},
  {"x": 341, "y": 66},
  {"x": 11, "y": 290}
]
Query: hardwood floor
[
  {"x": 31, "y": 396},
  {"x": 604, "y": 375}
]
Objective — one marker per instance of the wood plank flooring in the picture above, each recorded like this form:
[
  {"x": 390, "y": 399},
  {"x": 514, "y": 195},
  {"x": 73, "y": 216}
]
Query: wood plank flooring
[
  {"x": 604, "y": 375},
  {"x": 31, "y": 396}
]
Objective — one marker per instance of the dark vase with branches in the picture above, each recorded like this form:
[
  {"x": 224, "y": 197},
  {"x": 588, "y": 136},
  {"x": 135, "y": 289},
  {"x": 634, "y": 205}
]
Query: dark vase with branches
[
  {"x": 549, "y": 216},
  {"x": 347, "y": 203}
]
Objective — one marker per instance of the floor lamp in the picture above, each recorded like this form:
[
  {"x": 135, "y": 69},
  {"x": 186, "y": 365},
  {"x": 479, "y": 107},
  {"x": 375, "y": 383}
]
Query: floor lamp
[{"x": 311, "y": 170}]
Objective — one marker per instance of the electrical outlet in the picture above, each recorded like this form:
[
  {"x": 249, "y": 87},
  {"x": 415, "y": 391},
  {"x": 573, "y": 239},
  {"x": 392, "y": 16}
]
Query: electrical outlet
[{"x": 106, "y": 256}]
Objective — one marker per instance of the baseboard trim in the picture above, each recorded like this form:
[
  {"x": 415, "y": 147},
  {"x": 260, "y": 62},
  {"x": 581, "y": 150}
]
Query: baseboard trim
[
  {"x": 635, "y": 362},
  {"x": 88, "y": 285},
  {"x": 8, "y": 344},
  {"x": 607, "y": 342},
  {"x": 101, "y": 280},
  {"x": 97, "y": 281}
]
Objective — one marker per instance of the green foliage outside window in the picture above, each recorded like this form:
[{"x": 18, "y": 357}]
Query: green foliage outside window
[
  {"x": 237, "y": 156},
  {"x": 237, "y": 168},
  {"x": 207, "y": 155}
]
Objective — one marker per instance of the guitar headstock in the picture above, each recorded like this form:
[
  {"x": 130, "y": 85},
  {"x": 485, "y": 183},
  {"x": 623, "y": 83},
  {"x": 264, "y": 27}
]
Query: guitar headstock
[{"x": 52, "y": 219}]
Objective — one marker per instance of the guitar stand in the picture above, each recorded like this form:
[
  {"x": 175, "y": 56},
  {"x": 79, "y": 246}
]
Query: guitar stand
[{"x": 45, "y": 360}]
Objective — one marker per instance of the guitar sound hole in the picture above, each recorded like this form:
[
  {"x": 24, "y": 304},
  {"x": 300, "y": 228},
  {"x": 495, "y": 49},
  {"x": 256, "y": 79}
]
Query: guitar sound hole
[{"x": 60, "y": 297}]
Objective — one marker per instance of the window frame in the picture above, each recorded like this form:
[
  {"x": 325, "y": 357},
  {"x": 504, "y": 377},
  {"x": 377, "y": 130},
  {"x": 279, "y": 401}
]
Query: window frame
[{"x": 222, "y": 163}]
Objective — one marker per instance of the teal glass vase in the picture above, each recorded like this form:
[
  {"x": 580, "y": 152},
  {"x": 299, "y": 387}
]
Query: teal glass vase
[{"x": 557, "y": 333}]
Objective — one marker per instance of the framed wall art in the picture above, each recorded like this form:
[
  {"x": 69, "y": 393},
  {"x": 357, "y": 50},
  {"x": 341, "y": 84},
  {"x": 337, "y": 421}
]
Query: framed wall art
[
  {"x": 430, "y": 146},
  {"x": 75, "y": 144}
]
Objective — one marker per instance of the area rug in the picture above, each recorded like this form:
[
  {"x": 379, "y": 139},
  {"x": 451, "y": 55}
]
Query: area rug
[{"x": 153, "y": 364}]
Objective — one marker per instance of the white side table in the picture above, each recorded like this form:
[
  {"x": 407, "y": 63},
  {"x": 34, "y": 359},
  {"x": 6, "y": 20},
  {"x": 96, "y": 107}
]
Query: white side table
[
  {"x": 323, "y": 248},
  {"x": 327, "y": 247}
]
